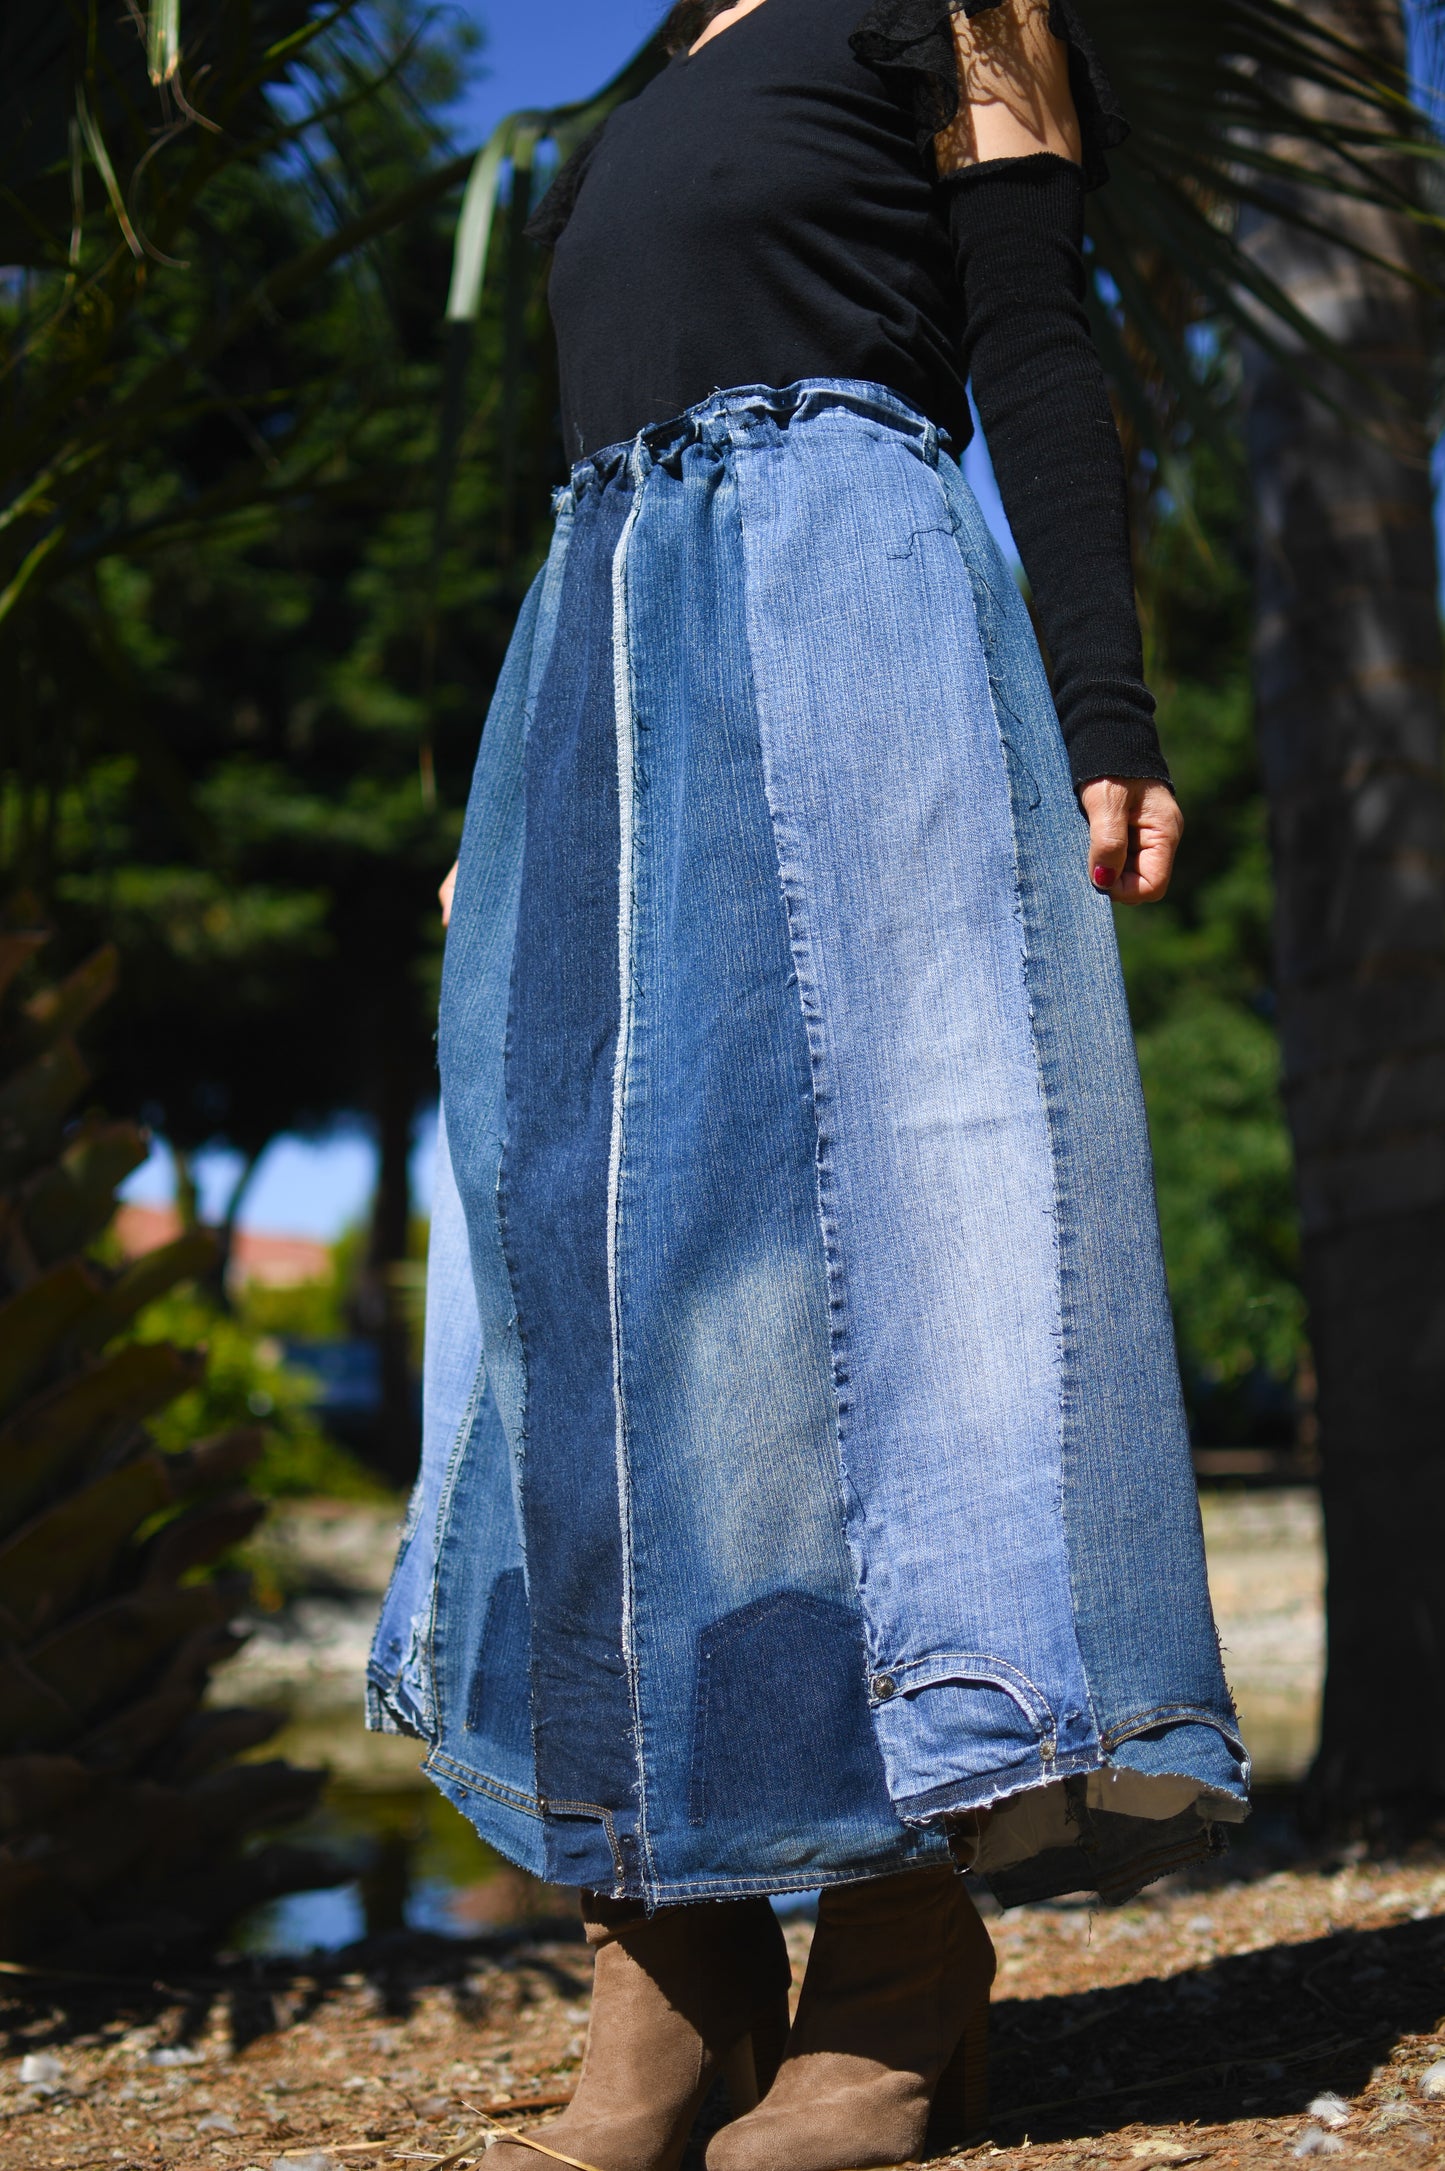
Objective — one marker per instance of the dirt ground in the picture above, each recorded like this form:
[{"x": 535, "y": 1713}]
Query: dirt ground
[{"x": 1195, "y": 2026}]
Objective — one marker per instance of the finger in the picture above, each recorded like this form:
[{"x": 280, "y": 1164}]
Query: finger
[
  {"x": 1108, "y": 838},
  {"x": 444, "y": 894},
  {"x": 1146, "y": 877}
]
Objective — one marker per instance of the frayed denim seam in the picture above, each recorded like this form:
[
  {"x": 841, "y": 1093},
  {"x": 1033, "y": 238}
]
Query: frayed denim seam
[
  {"x": 956, "y": 1797},
  {"x": 623, "y": 718}
]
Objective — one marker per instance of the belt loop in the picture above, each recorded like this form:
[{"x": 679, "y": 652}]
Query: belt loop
[{"x": 930, "y": 444}]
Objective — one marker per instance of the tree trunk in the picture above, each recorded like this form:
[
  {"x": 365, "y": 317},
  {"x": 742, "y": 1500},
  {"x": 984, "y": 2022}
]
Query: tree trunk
[
  {"x": 1348, "y": 688},
  {"x": 218, "y": 1281},
  {"x": 382, "y": 1307}
]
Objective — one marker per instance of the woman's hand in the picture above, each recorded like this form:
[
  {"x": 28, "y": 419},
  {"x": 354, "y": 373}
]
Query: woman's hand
[
  {"x": 1134, "y": 831},
  {"x": 445, "y": 894}
]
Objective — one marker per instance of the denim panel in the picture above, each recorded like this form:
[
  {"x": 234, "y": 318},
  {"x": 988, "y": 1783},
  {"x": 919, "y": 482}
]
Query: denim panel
[
  {"x": 482, "y": 1722},
  {"x": 476, "y": 973},
  {"x": 1130, "y": 1504},
  {"x": 466, "y": 1309},
  {"x": 722, "y": 1302},
  {"x": 400, "y": 1667},
  {"x": 553, "y": 1196},
  {"x": 890, "y": 802},
  {"x": 510, "y": 1822}
]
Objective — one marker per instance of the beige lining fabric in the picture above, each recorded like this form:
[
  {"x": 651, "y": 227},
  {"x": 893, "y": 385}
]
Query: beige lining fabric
[{"x": 1028, "y": 1823}]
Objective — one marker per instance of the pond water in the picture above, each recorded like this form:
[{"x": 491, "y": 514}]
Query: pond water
[{"x": 418, "y": 1865}]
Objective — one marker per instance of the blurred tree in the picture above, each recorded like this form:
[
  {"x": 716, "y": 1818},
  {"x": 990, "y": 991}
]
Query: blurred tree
[
  {"x": 247, "y": 698},
  {"x": 1348, "y": 692},
  {"x": 1199, "y": 975}
]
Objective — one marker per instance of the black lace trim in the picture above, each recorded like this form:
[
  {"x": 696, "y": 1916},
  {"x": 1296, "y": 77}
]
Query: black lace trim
[
  {"x": 909, "y": 43},
  {"x": 552, "y": 213}
]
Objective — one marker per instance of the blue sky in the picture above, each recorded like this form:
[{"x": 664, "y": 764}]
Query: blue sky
[{"x": 546, "y": 52}]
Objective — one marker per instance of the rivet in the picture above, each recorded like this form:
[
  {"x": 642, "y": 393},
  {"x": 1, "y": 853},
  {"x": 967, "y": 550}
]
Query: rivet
[{"x": 884, "y": 1686}]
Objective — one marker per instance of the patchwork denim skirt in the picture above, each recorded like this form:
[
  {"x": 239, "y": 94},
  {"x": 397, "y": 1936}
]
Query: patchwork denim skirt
[{"x": 804, "y": 1467}]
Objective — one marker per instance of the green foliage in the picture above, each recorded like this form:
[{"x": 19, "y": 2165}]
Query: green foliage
[
  {"x": 1197, "y": 967},
  {"x": 124, "y": 1822},
  {"x": 1223, "y": 1165},
  {"x": 246, "y": 694},
  {"x": 248, "y": 1382}
]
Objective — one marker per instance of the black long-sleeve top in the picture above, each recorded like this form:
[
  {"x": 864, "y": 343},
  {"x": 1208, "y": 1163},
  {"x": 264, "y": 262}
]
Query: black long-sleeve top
[{"x": 769, "y": 208}]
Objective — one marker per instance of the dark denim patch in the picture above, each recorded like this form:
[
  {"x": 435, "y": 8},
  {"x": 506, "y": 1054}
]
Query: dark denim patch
[
  {"x": 500, "y": 1704},
  {"x": 781, "y": 1729}
]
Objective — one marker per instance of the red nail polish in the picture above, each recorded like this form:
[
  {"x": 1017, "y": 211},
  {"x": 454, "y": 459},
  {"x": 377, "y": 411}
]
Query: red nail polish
[{"x": 1103, "y": 878}]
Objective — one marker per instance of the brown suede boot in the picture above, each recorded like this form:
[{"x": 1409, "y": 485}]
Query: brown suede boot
[
  {"x": 891, "y": 2026},
  {"x": 676, "y": 1997}
]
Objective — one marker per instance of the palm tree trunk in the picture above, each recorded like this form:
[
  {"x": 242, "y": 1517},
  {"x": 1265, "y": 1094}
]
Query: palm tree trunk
[
  {"x": 382, "y": 1304},
  {"x": 1348, "y": 688}
]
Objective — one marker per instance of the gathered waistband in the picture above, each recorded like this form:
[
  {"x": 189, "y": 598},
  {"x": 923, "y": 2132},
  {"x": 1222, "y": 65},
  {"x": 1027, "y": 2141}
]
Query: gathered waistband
[{"x": 750, "y": 415}]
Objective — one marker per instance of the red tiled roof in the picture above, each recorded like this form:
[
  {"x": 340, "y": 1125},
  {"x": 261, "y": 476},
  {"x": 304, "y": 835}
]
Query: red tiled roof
[{"x": 277, "y": 1262}]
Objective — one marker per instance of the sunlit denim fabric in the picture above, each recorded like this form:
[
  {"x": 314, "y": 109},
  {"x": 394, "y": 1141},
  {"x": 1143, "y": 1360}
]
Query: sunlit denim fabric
[{"x": 804, "y": 1458}]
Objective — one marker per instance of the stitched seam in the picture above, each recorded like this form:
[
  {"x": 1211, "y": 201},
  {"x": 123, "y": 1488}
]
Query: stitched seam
[
  {"x": 481, "y": 1783},
  {"x": 1162, "y": 1715},
  {"x": 908, "y": 1856},
  {"x": 981, "y": 1666},
  {"x": 622, "y": 704}
]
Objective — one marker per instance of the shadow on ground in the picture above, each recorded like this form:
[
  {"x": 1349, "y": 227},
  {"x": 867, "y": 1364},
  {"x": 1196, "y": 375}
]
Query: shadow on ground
[{"x": 1249, "y": 2032}]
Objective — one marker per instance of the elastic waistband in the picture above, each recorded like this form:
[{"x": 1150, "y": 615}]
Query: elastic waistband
[{"x": 751, "y": 415}]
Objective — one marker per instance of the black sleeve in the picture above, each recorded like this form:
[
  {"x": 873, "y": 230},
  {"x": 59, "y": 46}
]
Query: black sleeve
[{"x": 1018, "y": 232}]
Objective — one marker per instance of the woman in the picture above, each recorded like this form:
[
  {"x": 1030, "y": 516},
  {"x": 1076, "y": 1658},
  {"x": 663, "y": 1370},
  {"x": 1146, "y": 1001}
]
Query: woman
[{"x": 806, "y": 1500}]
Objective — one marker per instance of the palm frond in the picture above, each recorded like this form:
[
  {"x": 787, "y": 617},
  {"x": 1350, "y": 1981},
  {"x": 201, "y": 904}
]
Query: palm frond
[
  {"x": 1246, "y": 109},
  {"x": 509, "y": 152}
]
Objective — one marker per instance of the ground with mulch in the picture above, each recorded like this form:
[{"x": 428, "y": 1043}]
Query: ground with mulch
[{"x": 1197, "y": 2025}]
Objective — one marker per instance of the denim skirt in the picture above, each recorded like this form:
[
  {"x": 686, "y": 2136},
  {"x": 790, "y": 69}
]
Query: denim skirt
[{"x": 804, "y": 1468}]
